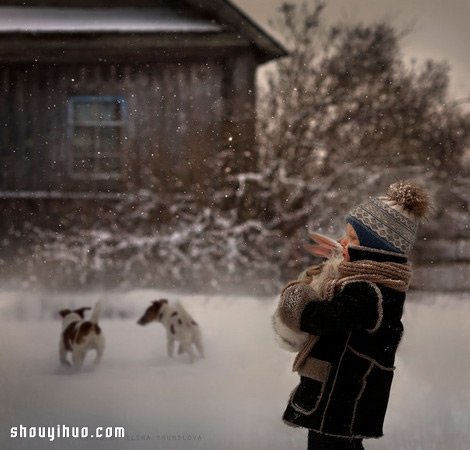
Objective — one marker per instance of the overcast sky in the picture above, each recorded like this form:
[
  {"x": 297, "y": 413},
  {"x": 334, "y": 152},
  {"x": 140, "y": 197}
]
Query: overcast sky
[{"x": 441, "y": 28}]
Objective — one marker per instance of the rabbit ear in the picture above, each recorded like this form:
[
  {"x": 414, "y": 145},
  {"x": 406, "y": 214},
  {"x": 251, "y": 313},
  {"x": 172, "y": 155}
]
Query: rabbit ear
[
  {"x": 324, "y": 241},
  {"x": 325, "y": 247},
  {"x": 318, "y": 250}
]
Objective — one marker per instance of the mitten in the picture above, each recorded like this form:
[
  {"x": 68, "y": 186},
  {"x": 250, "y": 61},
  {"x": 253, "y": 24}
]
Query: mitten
[{"x": 292, "y": 303}]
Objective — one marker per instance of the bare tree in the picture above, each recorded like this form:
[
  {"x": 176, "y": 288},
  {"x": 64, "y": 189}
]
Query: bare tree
[{"x": 343, "y": 110}]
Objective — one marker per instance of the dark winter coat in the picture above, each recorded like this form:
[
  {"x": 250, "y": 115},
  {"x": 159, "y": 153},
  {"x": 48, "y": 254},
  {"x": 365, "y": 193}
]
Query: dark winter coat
[{"x": 345, "y": 382}]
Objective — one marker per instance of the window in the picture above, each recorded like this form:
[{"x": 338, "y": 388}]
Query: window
[{"x": 96, "y": 129}]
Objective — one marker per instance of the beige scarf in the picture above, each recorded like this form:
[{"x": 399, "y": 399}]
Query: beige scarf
[{"x": 392, "y": 275}]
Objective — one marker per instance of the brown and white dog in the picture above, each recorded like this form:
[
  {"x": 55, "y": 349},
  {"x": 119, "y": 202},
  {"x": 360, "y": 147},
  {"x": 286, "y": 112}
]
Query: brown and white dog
[
  {"x": 179, "y": 326},
  {"x": 80, "y": 335}
]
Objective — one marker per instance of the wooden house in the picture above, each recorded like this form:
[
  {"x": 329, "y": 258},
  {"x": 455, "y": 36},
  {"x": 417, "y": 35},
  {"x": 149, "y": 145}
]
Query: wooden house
[{"x": 97, "y": 100}]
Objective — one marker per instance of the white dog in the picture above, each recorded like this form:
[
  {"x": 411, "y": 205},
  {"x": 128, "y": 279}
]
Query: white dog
[
  {"x": 179, "y": 326},
  {"x": 80, "y": 335}
]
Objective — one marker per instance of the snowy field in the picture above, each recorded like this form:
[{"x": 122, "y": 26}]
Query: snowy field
[{"x": 232, "y": 399}]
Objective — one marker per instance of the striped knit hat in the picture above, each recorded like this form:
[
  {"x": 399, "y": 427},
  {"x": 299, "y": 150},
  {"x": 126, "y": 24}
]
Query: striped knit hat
[{"x": 390, "y": 222}]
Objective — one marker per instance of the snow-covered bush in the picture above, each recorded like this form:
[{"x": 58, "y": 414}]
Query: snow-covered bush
[{"x": 197, "y": 247}]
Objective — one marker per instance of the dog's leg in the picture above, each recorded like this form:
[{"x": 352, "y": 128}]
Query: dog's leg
[
  {"x": 99, "y": 344},
  {"x": 99, "y": 354},
  {"x": 78, "y": 355},
  {"x": 170, "y": 347},
  {"x": 180, "y": 349},
  {"x": 188, "y": 348},
  {"x": 199, "y": 346},
  {"x": 63, "y": 354}
]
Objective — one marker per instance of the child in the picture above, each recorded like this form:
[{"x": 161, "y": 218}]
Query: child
[{"x": 345, "y": 317}]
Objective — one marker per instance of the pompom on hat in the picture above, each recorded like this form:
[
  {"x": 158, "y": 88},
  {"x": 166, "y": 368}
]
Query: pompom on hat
[{"x": 390, "y": 222}]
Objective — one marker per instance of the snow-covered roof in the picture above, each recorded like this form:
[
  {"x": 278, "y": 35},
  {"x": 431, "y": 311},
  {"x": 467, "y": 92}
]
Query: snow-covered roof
[
  {"x": 228, "y": 13},
  {"x": 70, "y": 20}
]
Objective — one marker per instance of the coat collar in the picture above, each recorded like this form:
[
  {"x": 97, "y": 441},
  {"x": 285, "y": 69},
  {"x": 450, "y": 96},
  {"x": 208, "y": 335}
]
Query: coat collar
[{"x": 357, "y": 253}]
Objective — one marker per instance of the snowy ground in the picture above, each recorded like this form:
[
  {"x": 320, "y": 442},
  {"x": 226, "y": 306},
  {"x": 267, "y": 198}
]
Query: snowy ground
[{"x": 232, "y": 399}]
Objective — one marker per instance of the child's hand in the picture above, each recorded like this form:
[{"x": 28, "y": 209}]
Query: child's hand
[
  {"x": 294, "y": 298},
  {"x": 325, "y": 247}
]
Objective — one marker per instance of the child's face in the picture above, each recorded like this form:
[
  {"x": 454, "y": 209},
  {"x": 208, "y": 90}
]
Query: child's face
[{"x": 350, "y": 238}]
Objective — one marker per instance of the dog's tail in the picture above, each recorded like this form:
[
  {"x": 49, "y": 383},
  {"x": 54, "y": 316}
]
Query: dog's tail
[{"x": 95, "y": 315}]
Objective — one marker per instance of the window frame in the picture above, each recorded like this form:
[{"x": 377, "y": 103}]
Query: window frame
[{"x": 73, "y": 123}]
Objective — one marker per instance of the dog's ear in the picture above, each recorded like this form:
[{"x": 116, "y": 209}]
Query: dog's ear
[
  {"x": 81, "y": 311},
  {"x": 159, "y": 302},
  {"x": 64, "y": 312}
]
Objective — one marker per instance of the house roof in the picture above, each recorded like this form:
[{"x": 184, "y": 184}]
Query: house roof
[
  {"x": 228, "y": 13},
  {"x": 201, "y": 16},
  {"x": 123, "y": 20}
]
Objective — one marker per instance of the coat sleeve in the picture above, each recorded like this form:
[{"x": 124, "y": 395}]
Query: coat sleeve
[{"x": 357, "y": 306}]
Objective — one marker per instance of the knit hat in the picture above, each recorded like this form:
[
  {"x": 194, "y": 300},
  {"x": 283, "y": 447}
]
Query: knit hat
[{"x": 390, "y": 222}]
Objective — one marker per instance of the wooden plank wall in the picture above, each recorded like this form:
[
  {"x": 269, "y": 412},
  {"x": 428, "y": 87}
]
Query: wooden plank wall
[{"x": 175, "y": 113}]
